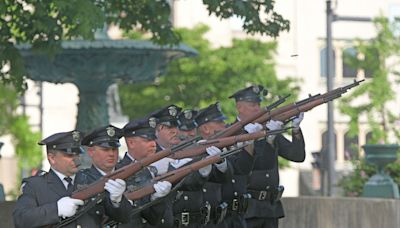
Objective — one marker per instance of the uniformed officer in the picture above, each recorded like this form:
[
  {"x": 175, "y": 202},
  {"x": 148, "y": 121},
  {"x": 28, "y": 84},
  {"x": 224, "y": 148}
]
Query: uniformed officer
[
  {"x": 140, "y": 139},
  {"x": 102, "y": 147},
  {"x": 167, "y": 136},
  {"x": 166, "y": 133},
  {"x": 186, "y": 124},
  {"x": 234, "y": 191},
  {"x": 190, "y": 210},
  {"x": 45, "y": 197},
  {"x": 265, "y": 207}
]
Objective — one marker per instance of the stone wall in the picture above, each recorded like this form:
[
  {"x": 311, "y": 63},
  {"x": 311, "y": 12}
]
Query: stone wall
[
  {"x": 6, "y": 209},
  {"x": 312, "y": 212},
  {"x": 322, "y": 212}
]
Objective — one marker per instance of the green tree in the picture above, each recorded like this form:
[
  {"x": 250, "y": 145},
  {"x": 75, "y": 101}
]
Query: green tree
[
  {"x": 45, "y": 23},
  {"x": 379, "y": 58},
  {"x": 211, "y": 76},
  {"x": 379, "y": 89},
  {"x": 17, "y": 125}
]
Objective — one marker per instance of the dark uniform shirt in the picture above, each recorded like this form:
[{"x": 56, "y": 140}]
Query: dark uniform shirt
[
  {"x": 37, "y": 206},
  {"x": 156, "y": 215},
  {"x": 265, "y": 174}
]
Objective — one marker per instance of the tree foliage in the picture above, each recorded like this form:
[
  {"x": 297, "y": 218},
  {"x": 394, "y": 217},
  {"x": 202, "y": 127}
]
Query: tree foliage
[
  {"x": 379, "y": 89},
  {"x": 379, "y": 57},
  {"x": 211, "y": 76},
  {"x": 45, "y": 23},
  {"x": 17, "y": 125}
]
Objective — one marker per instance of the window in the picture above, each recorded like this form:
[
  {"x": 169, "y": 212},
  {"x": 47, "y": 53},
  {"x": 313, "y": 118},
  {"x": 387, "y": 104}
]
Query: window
[
  {"x": 322, "y": 58},
  {"x": 325, "y": 143},
  {"x": 350, "y": 147},
  {"x": 349, "y": 55},
  {"x": 368, "y": 138}
]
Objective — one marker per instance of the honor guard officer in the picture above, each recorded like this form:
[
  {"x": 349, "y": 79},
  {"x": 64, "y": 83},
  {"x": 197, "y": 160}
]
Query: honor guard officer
[
  {"x": 166, "y": 133},
  {"x": 167, "y": 126},
  {"x": 167, "y": 136},
  {"x": 45, "y": 198},
  {"x": 234, "y": 191},
  {"x": 102, "y": 147},
  {"x": 190, "y": 210},
  {"x": 186, "y": 124},
  {"x": 265, "y": 207},
  {"x": 140, "y": 140}
]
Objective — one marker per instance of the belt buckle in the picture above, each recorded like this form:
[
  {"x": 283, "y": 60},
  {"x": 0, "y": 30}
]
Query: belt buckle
[
  {"x": 235, "y": 204},
  {"x": 263, "y": 195},
  {"x": 185, "y": 218}
]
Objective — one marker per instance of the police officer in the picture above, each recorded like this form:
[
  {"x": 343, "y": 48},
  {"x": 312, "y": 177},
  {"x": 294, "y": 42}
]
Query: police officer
[
  {"x": 265, "y": 207},
  {"x": 190, "y": 210},
  {"x": 45, "y": 198},
  {"x": 234, "y": 191},
  {"x": 140, "y": 139},
  {"x": 166, "y": 133},
  {"x": 186, "y": 124},
  {"x": 185, "y": 214},
  {"x": 102, "y": 147}
]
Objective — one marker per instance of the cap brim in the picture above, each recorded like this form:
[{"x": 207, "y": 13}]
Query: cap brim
[
  {"x": 220, "y": 118},
  {"x": 110, "y": 144}
]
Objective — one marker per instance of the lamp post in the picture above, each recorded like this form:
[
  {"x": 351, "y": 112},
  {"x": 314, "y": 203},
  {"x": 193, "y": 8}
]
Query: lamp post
[{"x": 330, "y": 156}]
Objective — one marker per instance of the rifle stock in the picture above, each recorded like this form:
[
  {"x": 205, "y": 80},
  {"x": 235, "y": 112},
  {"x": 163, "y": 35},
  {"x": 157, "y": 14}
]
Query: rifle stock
[{"x": 126, "y": 171}]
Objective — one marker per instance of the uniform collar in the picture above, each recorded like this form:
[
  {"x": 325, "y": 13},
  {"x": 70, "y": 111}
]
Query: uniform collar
[
  {"x": 101, "y": 171},
  {"x": 62, "y": 176}
]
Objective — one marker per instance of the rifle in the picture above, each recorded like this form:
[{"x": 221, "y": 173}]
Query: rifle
[
  {"x": 291, "y": 110},
  {"x": 223, "y": 142},
  {"x": 178, "y": 174},
  {"x": 231, "y": 130},
  {"x": 126, "y": 171},
  {"x": 173, "y": 177},
  {"x": 95, "y": 191}
]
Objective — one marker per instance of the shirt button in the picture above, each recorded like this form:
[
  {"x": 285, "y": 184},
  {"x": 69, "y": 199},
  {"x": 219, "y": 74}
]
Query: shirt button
[
  {"x": 97, "y": 212},
  {"x": 162, "y": 220},
  {"x": 233, "y": 181},
  {"x": 185, "y": 197},
  {"x": 267, "y": 187},
  {"x": 204, "y": 190},
  {"x": 267, "y": 175},
  {"x": 235, "y": 193}
]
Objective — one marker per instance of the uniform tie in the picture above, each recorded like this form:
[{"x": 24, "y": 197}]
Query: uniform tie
[{"x": 70, "y": 187}]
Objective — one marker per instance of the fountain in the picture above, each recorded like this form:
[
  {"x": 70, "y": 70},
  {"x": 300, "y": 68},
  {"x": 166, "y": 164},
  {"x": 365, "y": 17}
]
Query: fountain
[{"x": 381, "y": 185}]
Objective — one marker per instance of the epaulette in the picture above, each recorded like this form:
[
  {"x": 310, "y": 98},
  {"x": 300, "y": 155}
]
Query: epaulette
[{"x": 40, "y": 173}]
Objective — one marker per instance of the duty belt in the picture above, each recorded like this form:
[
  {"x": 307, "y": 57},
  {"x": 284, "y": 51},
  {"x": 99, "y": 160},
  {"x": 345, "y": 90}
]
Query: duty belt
[
  {"x": 239, "y": 205},
  {"x": 199, "y": 217},
  {"x": 273, "y": 195}
]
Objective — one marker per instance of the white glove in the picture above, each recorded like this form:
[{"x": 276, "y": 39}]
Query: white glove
[
  {"x": 67, "y": 206},
  {"x": 116, "y": 188},
  {"x": 180, "y": 162},
  {"x": 296, "y": 121},
  {"x": 213, "y": 150},
  {"x": 162, "y": 188},
  {"x": 253, "y": 127},
  {"x": 273, "y": 125},
  {"x": 205, "y": 171}
]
